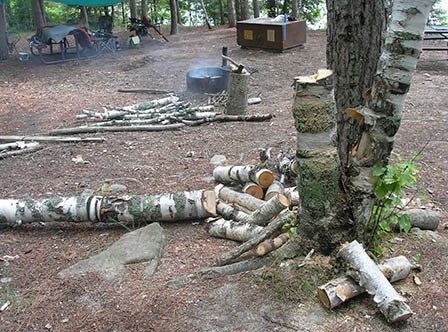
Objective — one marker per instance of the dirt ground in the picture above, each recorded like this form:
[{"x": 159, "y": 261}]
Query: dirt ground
[{"x": 36, "y": 98}]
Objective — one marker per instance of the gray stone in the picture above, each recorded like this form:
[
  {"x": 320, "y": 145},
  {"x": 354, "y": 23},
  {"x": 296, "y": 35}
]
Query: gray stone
[
  {"x": 142, "y": 246},
  {"x": 218, "y": 159}
]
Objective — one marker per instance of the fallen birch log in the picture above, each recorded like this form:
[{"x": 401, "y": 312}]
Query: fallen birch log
[
  {"x": 367, "y": 274},
  {"x": 135, "y": 209},
  {"x": 342, "y": 289},
  {"x": 229, "y": 212},
  {"x": 276, "y": 188},
  {"x": 228, "y": 229},
  {"x": 293, "y": 196},
  {"x": 148, "y": 91},
  {"x": 230, "y": 118},
  {"x": 253, "y": 189},
  {"x": 81, "y": 130},
  {"x": 50, "y": 139},
  {"x": 231, "y": 196},
  {"x": 275, "y": 224},
  {"x": 243, "y": 174},
  {"x": 268, "y": 210},
  {"x": 25, "y": 148},
  {"x": 423, "y": 218},
  {"x": 269, "y": 245}
]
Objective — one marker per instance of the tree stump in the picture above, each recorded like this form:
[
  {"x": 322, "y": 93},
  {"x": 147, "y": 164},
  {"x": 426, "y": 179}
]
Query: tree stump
[{"x": 238, "y": 93}]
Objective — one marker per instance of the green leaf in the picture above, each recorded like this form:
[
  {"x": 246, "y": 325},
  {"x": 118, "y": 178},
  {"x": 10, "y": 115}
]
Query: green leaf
[
  {"x": 405, "y": 223},
  {"x": 378, "y": 171}
]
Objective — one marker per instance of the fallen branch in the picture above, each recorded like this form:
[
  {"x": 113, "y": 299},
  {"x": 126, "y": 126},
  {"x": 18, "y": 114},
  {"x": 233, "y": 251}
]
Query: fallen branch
[
  {"x": 149, "y": 91},
  {"x": 275, "y": 224},
  {"x": 276, "y": 188},
  {"x": 231, "y": 230},
  {"x": 25, "y": 148},
  {"x": 229, "y": 212},
  {"x": 342, "y": 289},
  {"x": 50, "y": 139},
  {"x": 231, "y": 118},
  {"x": 80, "y": 130},
  {"x": 271, "y": 244},
  {"x": 134, "y": 209},
  {"x": 366, "y": 273}
]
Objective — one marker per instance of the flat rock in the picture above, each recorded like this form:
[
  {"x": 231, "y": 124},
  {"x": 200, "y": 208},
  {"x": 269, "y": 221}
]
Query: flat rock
[
  {"x": 143, "y": 246},
  {"x": 218, "y": 159}
]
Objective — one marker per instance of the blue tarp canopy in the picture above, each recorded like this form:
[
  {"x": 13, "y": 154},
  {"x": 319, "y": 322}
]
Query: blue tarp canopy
[{"x": 89, "y": 3}]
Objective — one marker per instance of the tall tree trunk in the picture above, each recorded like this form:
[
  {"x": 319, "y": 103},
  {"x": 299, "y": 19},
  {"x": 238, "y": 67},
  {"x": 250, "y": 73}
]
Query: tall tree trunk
[
  {"x": 221, "y": 13},
  {"x": 337, "y": 202},
  {"x": 178, "y": 13},
  {"x": 173, "y": 16},
  {"x": 256, "y": 6},
  {"x": 144, "y": 5},
  {"x": 38, "y": 15},
  {"x": 295, "y": 9},
  {"x": 133, "y": 8},
  {"x": 84, "y": 16},
  {"x": 231, "y": 13},
  {"x": 244, "y": 9},
  {"x": 238, "y": 10},
  {"x": 3, "y": 40},
  {"x": 42, "y": 10}
]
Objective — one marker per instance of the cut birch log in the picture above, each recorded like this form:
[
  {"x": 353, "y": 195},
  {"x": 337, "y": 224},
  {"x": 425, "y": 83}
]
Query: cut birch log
[
  {"x": 237, "y": 93},
  {"x": 231, "y": 118},
  {"x": 271, "y": 244},
  {"x": 231, "y": 230},
  {"x": 134, "y": 209},
  {"x": 149, "y": 91},
  {"x": 81, "y": 130},
  {"x": 242, "y": 174},
  {"x": 423, "y": 219},
  {"x": 231, "y": 196},
  {"x": 342, "y": 289},
  {"x": 50, "y": 139},
  {"x": 276, "y": 188},
  {"x": 25, "y": 148},
  {"x": 268, "y": 210},
  {"x": 253, "y": 189},
  {"x": 229, "y": 212},
  {"x": 293, "y": 196},
  {"x": 366, "y": 273},
  {"x": 275, "y": 224}
]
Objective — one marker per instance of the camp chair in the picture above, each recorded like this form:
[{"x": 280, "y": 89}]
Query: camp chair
[{"x": 103, "y": 38}]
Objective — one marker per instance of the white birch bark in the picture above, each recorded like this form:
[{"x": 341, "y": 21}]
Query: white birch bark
[{"x": 231, "y": 230}]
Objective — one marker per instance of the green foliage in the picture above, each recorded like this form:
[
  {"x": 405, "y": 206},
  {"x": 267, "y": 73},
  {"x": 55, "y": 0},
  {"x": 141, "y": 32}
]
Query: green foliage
[
  {"x": 290, "y": 226},
  {"x": 389, "y": 191},
  {"x": 438, "y": 15}
]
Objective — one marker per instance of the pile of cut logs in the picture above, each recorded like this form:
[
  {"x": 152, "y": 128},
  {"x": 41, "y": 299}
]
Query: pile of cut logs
[{"x": 167, "y": 113}]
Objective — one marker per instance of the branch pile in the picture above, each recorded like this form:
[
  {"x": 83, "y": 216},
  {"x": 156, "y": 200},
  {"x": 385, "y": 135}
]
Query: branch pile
[{"x": 167, "y": 113}]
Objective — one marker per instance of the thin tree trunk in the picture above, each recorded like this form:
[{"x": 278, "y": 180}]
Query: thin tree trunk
[
  {"x": 133, "y": 8},
  {"x": 173, "y": 17},
  {"x": 84, "y": 16},
  {"x": 144, "y": 9},
  {"x": 238, "y": 9},
  {"x": 295, "y": 9},
  {"x": 205, "y": 14},
  {"x": 3, "y": 37},
  {"x": 231, "y": 13},
  {"x": 256, "y": 7},
  {"x": 244, "y": 9},
  {"x": 38, "y": 15},
  {"x": 178, "y": 13},
  {"x": 221, "y": 12}
]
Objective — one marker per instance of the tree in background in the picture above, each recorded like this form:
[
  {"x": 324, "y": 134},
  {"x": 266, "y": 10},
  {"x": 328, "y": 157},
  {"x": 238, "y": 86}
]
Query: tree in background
[
  {"x": 231, "y": 13},
  {"x": 3, "y": 39},
  {"x": 38, "y": 12},
  {"x": 173, "y": 10}
]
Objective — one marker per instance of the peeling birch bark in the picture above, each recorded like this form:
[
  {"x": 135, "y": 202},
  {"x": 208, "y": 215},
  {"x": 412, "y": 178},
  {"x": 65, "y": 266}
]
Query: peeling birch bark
[
  {"x": 342, "y": 289},
  {"x": 231, "y": 196},
  {"x": 366, "y": 273},
  {"x": 269, "y": 245},
  {"x": 231, "y": 230},
  {"x": 135, "y": 209},
  {"x": 243, "y": 174},
  {"x": 275, "y": 224}
]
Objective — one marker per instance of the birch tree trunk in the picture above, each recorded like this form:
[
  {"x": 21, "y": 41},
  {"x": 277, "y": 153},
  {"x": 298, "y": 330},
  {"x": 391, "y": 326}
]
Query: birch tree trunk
[
  {"x": 135, "y": 209},
  {"x": 3, "y": 40}
]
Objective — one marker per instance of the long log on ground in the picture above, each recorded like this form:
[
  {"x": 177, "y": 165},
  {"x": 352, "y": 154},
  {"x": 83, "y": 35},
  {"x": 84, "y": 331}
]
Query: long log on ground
[
  {"x": 149, "y": 91},
  {"x": 243, "y": 174},
  {"x": 423, "y": 218},
  {"x": 231, "y": 230},
  {"x": 50, "y": 139},
  {"x": 269, "y": 245},
  {"x": 366, "y": 273},
  {"x": 275, "y": 224},
  {"x": 230, "y": 118},
  {"x": 81, "y": 130},
  {"x": 132, "y": 209},
  {"x": 28, "y": 148},
  {"x": 342, "y": 289},
  {"x": 231, "y": 196},
  {"x": 267, "y": 211}
]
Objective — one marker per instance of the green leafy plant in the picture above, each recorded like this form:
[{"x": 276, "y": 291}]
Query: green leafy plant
[{"x": 391, "y": 182}]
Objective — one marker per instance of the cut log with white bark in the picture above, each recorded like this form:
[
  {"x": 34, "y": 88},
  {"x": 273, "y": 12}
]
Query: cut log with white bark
[
  {"x": 237, "y": 93},
  {"x": 253, "y": 189},
  {"x": 50, "y": 139},
  {"x": 230, "y": 212},
  {"x": 274, "y": 225},
  {"x": 231, "y": 196},
  {"x": 231, "y": 230},
  {"x": 134, "y": 209},
  {"x": 293, "y": 196},
  {"x": 268, "y": 210},
  {"x": 230, "y": 118},
  {"x": 342, "y": 289},
  {"x": 276, "y": 188},
  {"x": 423, "y": 218},
  {"x": 80, "y": 130},
  {"x": 20, "y": 148},
  {"x": 243, "y": 174},
  {"x": 366, "y": 273},
  {"x": 269, "y": 245}
]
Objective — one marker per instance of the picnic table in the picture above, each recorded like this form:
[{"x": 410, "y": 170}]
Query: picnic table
[{"x": 433, "y": 33}]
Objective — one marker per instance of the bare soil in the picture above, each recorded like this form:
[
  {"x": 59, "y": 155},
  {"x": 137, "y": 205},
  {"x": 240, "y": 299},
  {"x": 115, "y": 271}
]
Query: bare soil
[{"x": 36, "y": 98}]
